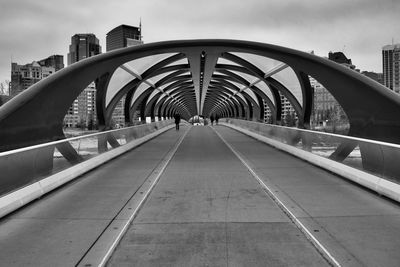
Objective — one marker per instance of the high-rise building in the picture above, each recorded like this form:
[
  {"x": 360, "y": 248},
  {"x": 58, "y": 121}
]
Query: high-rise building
[
  {"x": 55, "y": 61},
  {"x": 119, "y": 37},
  {"x": 391, "y": 66},
  {"x": 340, "y": 58},
  {"x": 323, "y": 100},
  {"x": 326, "y": 107},
  {"x": 288, "y": 114},
  {"x": 82, "y": 112},
  {"x": 323, "y": 103},
  {"x": 83, "y": 45},
  {"x": 24, "y": 76},
  {"x": 267, "y": 113},
  {"x": 123, "y": 36},
  {"x": 374, "y": 76}
]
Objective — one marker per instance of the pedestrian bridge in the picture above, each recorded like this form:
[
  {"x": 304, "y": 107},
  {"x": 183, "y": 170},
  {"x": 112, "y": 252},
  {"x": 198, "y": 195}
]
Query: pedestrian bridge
[
  {"x": 238, "y": 193},
  {"x": 203, "y": 195}
]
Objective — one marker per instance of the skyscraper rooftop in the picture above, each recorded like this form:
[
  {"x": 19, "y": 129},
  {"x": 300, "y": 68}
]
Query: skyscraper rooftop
[
  {"x": 391, "y": 47},
  {"x": 83, "y": 45},
  {"x": 123, "y": 36}
]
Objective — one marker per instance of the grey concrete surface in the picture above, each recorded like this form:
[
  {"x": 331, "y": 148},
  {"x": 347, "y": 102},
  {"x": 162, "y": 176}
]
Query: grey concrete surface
[
  {"x": 356, "y": 225},
  {"x": 207, "y": 210},
  {"x": 58, "y": 229}
]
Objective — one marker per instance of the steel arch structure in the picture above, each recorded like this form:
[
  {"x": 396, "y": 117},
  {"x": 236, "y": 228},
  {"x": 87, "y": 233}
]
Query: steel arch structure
[{"x": 199, "y": 77}]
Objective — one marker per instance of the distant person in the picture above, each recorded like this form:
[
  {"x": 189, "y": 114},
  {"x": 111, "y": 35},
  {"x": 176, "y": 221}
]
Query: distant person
[
  {"x": 212, "y": 119},
  {"x": 216, "y": 119},
  {"x": 177, "y": 118}
]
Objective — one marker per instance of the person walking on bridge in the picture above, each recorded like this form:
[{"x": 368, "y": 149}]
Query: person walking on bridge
[
  {"x": 177, "y": 118},
  {"x": 212, "y": 119}
]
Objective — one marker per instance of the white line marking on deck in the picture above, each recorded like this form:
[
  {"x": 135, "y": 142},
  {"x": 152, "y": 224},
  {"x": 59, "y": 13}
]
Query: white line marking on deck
[
  {"x": 143, "y": 198},
  {"x": 324, "y": 252}
]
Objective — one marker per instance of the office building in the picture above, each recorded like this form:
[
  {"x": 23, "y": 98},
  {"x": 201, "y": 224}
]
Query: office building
[
  {"x": 326, "y": 108},
  {"x": 340, "y": 58},
  {"x": 119, "y": 37},
  {"x": 83, "y": 45},
  {"x": 378, "y": 77},
  {"x": 325, "y": 105},
  {"x": 123, "y": 36},
  {"x": 24, "y": 76},
  {"x": 55, "y": 61},
  {"x": 289, "y": 116},
  {"x": 267, "y": 113},
  {"x": 82, "y": 113},
  {"x": 391, "y": 66}
]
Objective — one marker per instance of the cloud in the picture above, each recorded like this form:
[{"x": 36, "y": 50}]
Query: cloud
[{"x": 32, "y": 30}]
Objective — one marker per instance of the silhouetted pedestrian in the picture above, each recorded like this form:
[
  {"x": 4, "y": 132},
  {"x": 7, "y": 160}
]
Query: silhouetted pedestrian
[
  {"x": 212, "y": 119},
  {"x": 177, "y": 121},
  {"x": 216, "y": 119}
]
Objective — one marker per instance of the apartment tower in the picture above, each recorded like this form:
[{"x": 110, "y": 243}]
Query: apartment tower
[
  {"x": 391, "y": 66},
  {"x": 82, "y": 113}
]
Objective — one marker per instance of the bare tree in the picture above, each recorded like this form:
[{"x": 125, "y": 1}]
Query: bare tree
[{"x": 4, "y": 87}]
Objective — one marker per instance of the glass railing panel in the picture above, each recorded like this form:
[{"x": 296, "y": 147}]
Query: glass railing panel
[
  {"x": 354, "y": 158},
  {"x": 374, "y": 157},
  {"x": 87, "y": 147},
  {"x": 25, "y": 166}
]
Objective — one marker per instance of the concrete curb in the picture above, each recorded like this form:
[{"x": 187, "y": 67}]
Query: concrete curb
[
  {"x": 375, "y": 183},
  {"x": 23, "y": 196}
]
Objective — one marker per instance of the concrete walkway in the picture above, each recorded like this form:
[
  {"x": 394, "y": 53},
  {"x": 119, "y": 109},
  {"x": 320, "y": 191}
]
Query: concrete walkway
[
  {"x": 207, "y": 210},
  {"x": 358, "y": 227},
  {"x": 60, "y": 228}
]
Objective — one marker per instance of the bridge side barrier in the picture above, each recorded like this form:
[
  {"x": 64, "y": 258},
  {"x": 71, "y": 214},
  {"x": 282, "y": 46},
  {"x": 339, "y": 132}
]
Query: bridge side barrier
[
  {"x": 317, "y": 148},
  {"x": 28, "y": 173}
]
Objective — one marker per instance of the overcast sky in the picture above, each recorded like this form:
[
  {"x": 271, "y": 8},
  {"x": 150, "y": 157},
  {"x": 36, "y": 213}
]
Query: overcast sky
[{"x": 32, "y": 30}]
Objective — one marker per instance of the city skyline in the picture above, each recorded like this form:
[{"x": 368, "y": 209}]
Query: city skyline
[{"x": 358, "y": 28}]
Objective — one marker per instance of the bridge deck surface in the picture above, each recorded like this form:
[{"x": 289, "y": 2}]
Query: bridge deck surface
[{"x": 207, "y": 209}]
